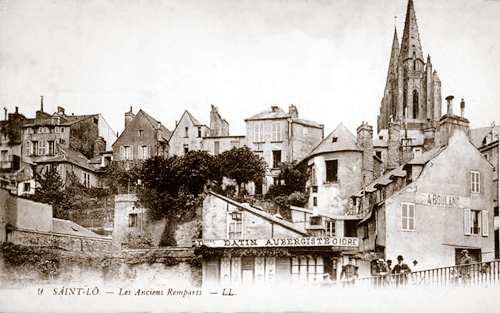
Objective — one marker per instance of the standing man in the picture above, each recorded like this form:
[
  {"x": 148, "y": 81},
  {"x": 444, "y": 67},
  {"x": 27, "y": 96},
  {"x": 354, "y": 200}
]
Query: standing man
[
  {"x": 401, "y": 269},
  {"x": 465, "y": 269}
]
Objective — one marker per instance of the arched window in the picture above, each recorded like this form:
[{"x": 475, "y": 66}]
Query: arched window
[
  {"x": 415, "y": 104},
  {"x": 404, "y": 102},
  {"x": 414, "y": 65}
]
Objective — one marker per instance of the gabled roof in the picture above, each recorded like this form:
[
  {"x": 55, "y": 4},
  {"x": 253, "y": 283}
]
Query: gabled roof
[
  {"x": 166, "y": 134},
  {"x": 66, "y": 227},
  {"x": 345, "y": 141},
  {"x": 307, "y": 122},
  {"x": 66, "y": 154},
  {"x": 262, "y": 214},
  {"x": 66, "y": 120},
  {"x": 194, "y": 120}
]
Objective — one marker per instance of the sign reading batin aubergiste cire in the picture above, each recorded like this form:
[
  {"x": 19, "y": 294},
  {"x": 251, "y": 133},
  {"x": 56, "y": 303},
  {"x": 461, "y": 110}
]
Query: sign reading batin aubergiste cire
[{"x": 280, "y": 242}]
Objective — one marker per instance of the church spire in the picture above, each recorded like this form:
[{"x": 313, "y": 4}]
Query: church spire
[
  {"x": 410, "y": 45},
  {"x": 393, "y": 62}
]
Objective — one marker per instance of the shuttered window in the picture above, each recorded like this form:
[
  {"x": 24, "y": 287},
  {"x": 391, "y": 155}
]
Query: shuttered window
[
  {"x": 476, "y": 222},
  {"x": 408, "y": 216},
  {"x": 276, "y": 131},
  {"x": 475, "y": 186},
  {"x": 485, "y": 223},
  {"x": 258, "y": 134},
  {"x": 467, "y": 225}
]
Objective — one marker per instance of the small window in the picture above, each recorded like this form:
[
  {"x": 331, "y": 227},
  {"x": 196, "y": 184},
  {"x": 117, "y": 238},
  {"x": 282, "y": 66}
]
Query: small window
[
  {"x": 216, "y": 147},
  {"x": 57, "y": 130},
  {"x": 27, "y": 187},
  {"x": 417, "y": 152},
  {"x": 186, "y": 132},
  {"x": 330, "y": 228},
  {"x": 199, "y": 131},
  {"x": 315, "y": 189},
  {"x": 186, "y": 148},
  {"x": 381, "y": 137},
  {"x": 276, "y": 158},
  {"x": 408, "y": 216},
  {"x": 235, "y": 225},
  {"x": 42, "y": 147},
  {"x": 51, "y": 147},
  {"x": 475, "y": 222},
  {"x": 95, "y": 120},
  {"x": 315, "y": 201},
  {"x": 475, "y": 182},
  {"x": 378, "y": 154},
  {"x": 62, "y": 129},
  {"x": 140, "y": 134},
  {"x": 132, "y": 220},
  {"x": 334, "y": 139},
  {"x": 331, "y": 171}
]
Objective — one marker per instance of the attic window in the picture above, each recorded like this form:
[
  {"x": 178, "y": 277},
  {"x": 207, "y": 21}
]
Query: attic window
[
  {"x": 96, "y": 120},
  {"x": 334, "y": 139},
  {"x": 381, "y": 137},
  {"x": 74, "y": 228},
  {"x": 140, "y": 133}
]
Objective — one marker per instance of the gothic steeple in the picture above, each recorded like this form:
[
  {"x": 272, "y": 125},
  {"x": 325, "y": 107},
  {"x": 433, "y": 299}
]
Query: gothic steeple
[
  {"x": 393, "y": 62},
  {"x": 410, "y": 45}
]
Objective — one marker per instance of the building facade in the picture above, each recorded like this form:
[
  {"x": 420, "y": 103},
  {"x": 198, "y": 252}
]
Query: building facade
[
  {"x": 431, "y": 208},
  {"x": 188, "y": 135},
  {"x": 278, "y": 137},
  {"x": 142, "y": 138},
  {"x": 243, "y": 245}
]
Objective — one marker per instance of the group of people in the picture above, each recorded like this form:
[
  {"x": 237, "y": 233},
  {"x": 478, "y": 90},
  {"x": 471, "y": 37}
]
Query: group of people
[{"x": 385, "y": 267}]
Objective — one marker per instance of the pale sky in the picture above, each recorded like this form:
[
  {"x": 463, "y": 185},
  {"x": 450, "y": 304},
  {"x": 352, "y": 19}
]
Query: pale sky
[{"x": 329, "y": 58}]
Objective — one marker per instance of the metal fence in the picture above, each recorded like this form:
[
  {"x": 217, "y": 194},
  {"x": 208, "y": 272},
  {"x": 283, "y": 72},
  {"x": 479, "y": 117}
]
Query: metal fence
[{"x": 476, "y": 274}]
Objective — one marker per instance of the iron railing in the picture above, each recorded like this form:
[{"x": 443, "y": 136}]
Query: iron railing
[{"x": 476, "y": 274}]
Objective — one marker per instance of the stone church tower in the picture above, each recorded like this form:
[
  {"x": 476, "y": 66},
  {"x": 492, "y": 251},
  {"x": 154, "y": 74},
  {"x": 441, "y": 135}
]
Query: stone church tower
[{"x": 412, "y": 93}]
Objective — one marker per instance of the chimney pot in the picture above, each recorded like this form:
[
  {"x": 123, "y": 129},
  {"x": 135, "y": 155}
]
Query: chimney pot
[
  {"x": 5, "y": 113},
  {"x": 41, "y": 103},
  {"x": 449, "y": 99},
  {"x": 462, "y": 108}
]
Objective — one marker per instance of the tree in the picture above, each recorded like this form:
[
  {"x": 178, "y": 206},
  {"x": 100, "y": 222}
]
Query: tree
[
  {"x": 173, "y": 187},
  {"x": 50, "y": 187},
  {"x": 242, "y": 165},
  {"x": 294, "y": 176}
]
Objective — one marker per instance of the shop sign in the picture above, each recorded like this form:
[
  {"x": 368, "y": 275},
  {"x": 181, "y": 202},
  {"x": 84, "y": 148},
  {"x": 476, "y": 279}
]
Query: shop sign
[
  {"x": 280, "y": 242},
  {"x": 442, "y": 200}
]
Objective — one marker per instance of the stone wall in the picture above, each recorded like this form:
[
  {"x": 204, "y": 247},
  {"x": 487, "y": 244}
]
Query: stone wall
[
  {"x": 65, "y": 242},
  {"x": 144, "y": 268}
]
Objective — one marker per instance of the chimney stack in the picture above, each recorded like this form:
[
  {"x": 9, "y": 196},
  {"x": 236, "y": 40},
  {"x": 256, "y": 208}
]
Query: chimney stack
[
  {"x": 462, "y": 108},
  {"x": 292, "y": 110},
  {"x": 365, "y": 142},
  {"x": 449, "y": 99},
  {"x": 5, "y": 113},
  {"x": 394, "y": 144},
  {"x": 60, "y": 110},
  {"x": 41, "y": 104},
  {"x": 129, "y": 116}
]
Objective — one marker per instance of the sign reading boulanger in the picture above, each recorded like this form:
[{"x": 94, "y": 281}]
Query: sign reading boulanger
[
  {"x": 442, "y": 200},
  {"x": 280, "y": 242}
]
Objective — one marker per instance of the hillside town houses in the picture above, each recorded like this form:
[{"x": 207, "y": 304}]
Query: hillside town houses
[{"x": 424, "y": 185}]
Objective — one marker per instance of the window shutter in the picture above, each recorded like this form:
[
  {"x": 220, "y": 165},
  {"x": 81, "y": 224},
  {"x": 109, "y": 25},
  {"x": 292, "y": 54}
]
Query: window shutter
[
  {"x": 467, "y": 222},
  {"x": 481, "y": 182},
  {"x": 140, "y": 154},
  {"x": 261, "y": 139},
  {"x": 256, "y": 132},
  {"x": 278, "y": 135},
  {"x": 470, "y": 180},
  {"x": 148, "y": 152},
  {"x": 131, "y": 153},
  {"x": 122, "y": 152},
  {"x": 485, "y": 223}
]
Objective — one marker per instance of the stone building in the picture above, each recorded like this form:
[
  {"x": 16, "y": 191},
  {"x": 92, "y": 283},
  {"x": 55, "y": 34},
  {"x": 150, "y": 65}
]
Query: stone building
[
  {"x": 143, "y": 137},
  {"x": 278, "y": 137},
  {"x": 219, "y": 139},
  {"x": 338, "y": 167},
  {"x": 244, "y": 245},
  {"x": 14, "y": 174},
  {"x": 188, "y": 135},
  {"x": 431, "y": 208}
]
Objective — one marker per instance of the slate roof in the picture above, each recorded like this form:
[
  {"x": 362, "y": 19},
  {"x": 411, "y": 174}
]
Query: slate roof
[
  {"x": 66, "y": 154},
  {"x": 66, "y": 227},
  {"x": 346, "y": 141},
  {"x": 194, "y": 120},
  {"x": 426, "y": 156},
  {"x": 477, "y": 135},
  {"x": 262, "y": 214},
  {"x": 166, "y": 134},
  {"x": 275, "y": 112}
]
